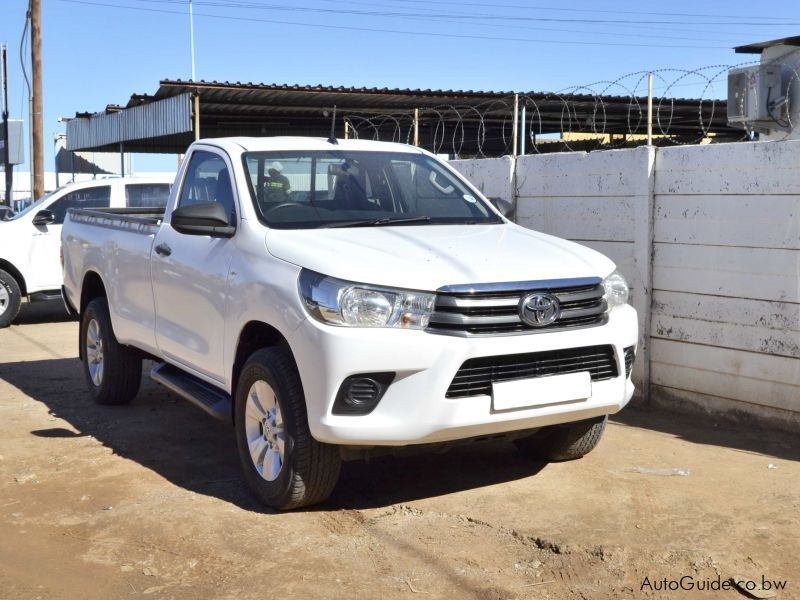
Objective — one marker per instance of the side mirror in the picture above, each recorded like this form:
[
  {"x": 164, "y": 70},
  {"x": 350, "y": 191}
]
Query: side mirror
[
  {"x": 44, "y": 217},
  {"x": 504, "y": 207},
  {"x": 205, "y": 218}
]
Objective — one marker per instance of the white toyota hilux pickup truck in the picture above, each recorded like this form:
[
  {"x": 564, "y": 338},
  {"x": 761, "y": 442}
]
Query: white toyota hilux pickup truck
[
  {"x": 333, "y": 299},
  {"x": 30, "y": 241}
]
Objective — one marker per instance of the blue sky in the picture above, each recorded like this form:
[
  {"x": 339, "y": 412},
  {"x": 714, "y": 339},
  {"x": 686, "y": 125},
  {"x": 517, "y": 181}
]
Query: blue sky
[{"x": 96, "y": 52}]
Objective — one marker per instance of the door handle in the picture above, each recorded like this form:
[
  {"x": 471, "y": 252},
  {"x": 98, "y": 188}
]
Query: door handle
[{"x": 163, "y": 250}]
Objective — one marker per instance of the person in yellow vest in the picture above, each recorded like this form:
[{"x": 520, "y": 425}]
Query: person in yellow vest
[{"x": 276, "y": 186}]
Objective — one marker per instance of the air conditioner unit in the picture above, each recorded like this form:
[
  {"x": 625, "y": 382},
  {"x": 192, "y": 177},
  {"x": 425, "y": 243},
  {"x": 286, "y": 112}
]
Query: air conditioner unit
[{"x": 758, "y": 97}]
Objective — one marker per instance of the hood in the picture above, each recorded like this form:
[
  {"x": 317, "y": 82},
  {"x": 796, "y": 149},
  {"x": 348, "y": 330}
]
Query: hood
[{"x": 431, "y": 256}]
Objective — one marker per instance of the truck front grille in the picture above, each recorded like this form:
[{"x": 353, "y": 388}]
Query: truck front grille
[
  {"x": 494, "y": 309},
  {"x": 476, "y": 375}
]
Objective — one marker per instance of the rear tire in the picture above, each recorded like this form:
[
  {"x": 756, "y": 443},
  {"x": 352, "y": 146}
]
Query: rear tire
[
  {"x": 283, "y": 464},
  {"x": 564, "y": 442},
  {"x": 10, "y": 299},
  {"x": 113, "y": 372}
]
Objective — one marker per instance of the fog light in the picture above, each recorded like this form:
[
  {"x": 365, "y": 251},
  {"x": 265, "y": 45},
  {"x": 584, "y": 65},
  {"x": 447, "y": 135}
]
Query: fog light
[{"x": 360, "y": 394}]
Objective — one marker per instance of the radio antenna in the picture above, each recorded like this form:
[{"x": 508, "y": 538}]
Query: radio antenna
[{"x": 332, "y": 139}]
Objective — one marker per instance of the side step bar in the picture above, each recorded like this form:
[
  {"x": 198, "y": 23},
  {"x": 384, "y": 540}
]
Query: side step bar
[
  {"x": 212, "y": 400},
  {"x": 47, "y": 296}
]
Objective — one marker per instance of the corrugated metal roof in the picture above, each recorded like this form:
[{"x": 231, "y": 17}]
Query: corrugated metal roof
[
  {"x": 761, "y": 46},
  {"x": 382, "y": 96},
  {"x": 160, "y": 118},
  {"x": 468, "y": 121}
]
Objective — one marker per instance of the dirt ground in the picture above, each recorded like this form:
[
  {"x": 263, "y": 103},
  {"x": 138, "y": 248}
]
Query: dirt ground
[{"x": 147, "y": 500}]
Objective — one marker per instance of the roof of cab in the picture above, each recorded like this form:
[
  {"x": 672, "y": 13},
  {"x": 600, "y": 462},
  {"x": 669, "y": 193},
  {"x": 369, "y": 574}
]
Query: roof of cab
[{"x": 295, "y": 143}]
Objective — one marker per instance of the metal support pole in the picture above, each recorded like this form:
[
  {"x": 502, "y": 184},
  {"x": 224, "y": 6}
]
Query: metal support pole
[
  {"x": 191, "y": 35},
  {"x": 122, "y": 159},
  {"x": 196, "y": 116},
  {"x": 55, "y": 160},
  {"x": 346, "y": 130},
  {"x": 416, "y": 127},
  {"x": 650, "y": 109},
  {"x": 524, "y": 131},
  {"x": 9, "y": 170},
  {"x": 515, "y": 128}
]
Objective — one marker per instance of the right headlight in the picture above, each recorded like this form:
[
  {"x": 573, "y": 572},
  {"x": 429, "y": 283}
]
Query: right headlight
[
  {"x": 337, "y": 302},
  {"x": 616, "y": 290}
]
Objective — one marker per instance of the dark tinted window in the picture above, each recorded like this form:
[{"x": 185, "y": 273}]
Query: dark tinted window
[
  {"x": 146, "y": 195},
  {"x": 93, "y": 197},
  {"x": 208, "y": 180}
]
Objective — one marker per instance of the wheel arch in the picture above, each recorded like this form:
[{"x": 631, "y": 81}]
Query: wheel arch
[
  {"x": 92, "y": 287},
  {"x": 254, "y": 336},
  {"x": 16, "y": 274}
]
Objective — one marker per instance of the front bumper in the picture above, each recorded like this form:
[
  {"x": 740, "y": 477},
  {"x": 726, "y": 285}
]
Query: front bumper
[{"x": 414, "y": 409}]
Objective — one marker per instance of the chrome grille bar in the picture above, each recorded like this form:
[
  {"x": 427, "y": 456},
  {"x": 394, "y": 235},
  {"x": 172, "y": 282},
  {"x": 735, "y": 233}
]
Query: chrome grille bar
[{"x": 493, "y": 309}]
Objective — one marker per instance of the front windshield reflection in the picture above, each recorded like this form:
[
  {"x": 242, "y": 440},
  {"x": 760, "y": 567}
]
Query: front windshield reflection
[{"x": 341, "y": 188}]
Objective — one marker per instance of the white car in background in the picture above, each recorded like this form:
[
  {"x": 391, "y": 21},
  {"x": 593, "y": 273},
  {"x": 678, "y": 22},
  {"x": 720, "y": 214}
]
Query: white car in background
[{"x": 30, "y": 242}]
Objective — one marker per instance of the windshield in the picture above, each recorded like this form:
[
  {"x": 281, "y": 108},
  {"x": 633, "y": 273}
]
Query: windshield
[
  {"x": 32, "y": 207},
  {"x": 302, "y": 190}
]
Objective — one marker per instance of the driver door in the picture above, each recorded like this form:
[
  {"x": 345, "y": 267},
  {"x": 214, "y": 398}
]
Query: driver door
[{"x": 190, "y": 273}]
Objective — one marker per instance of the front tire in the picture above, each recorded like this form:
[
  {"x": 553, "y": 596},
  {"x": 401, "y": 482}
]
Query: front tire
[
  {"x": 10, "y": 299},
  {"x": 283, "y": 464},
  {"x": 113, "y": 372},
  {"x": 564, "y": 442}
]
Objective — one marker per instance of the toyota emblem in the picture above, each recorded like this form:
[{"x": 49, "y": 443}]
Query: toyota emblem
[{"x": 539, "y": 310}]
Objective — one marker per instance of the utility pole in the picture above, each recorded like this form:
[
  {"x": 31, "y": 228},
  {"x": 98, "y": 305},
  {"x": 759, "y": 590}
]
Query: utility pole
[
  {"x": 37, "y": 124},
  {"x": 191, "y": 36},
  {"x": 7, "y": 154}
]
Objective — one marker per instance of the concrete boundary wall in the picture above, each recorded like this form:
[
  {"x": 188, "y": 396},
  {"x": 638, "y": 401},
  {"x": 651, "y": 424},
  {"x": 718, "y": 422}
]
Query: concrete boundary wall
[
  {"x": 709, "y": 239},
  {"x": 494, "y": 177}
]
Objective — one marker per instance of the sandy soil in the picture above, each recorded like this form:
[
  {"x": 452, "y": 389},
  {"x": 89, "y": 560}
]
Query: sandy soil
[{"x": 118, "y": 502}]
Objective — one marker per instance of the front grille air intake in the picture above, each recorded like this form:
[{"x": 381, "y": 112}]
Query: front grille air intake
[
  {"x": 630, "y": 356},
  {"x": 476, "y": 375},
  {"x": 494, "y": 309}
]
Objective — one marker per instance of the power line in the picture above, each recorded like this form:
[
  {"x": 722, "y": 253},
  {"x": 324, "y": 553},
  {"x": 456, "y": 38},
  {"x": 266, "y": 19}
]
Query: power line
[
  {"x": 437, "y": 17},
  {"x": 644, "y": 27},
  {"x": 22, "y": 45},
  {"x": 573, "y": 10},
  {"x": 475, "y": 16},
  {"x": 394, "y": 31}
]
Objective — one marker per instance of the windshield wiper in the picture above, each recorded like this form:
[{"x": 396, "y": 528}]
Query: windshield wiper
[{"x": 380, "y": 222}]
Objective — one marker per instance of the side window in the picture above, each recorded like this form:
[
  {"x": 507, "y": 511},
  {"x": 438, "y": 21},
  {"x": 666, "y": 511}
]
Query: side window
[
  {"x": 208, "y": 180},
  {"x": 146, "y": 195},
  {"x": 93, "y": 197}
]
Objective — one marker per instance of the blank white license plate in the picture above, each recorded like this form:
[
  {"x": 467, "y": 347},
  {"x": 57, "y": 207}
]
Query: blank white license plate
[{"x": 526, "y": 393}]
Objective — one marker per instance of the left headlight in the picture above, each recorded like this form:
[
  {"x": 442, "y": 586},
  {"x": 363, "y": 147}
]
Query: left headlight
[
  {"x": 616, "y": 290},
  {"x": 337, "y": 302}
]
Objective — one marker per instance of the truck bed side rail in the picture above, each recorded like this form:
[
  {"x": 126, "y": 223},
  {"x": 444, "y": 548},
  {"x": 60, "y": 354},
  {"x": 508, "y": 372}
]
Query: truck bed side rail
[{"x": 131, "y": 219}]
